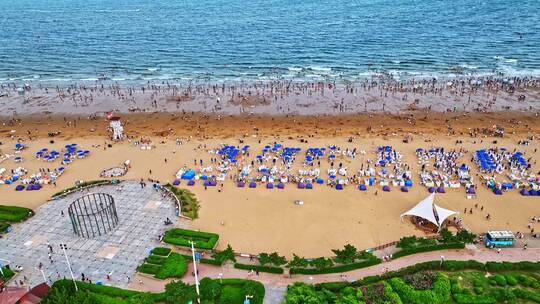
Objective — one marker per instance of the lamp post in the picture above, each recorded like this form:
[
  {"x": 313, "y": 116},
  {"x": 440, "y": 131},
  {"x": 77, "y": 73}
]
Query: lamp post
[
  {"x": 64, "y": 248},
  {"x": 195, "y": 272},
  {"x": 43, "y": 274}
]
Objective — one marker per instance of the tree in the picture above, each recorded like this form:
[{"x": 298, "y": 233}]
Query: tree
[
  {"x": 210, "y": 289},
  {"x": 178, "y": 292},
  {"x": 225, "y": 255},
  {"x": 272, "y": 258},
  {"x": 347, "y": 255},
  {"x": 250, "y": 288},
  {"x": 297, "y": 262},
  {"x": 321, "y": 262}
]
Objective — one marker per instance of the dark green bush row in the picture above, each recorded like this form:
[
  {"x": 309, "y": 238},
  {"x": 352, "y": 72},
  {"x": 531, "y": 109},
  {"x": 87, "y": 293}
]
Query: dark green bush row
[
  {"x": 276, "y": 270},
  {"x": 155, "y": 259},
  {"x": 335, "y": 269},
  {"x": 148, "y": 268},
  {"x": 161, "y": 251},
  {"x": 508, "y": 266},
  {"x": 85, "y": 184},
  {"x": 14, "y": 213},
  {"x": 413, "y": 250},
  {"x": 182, "y": 237}
]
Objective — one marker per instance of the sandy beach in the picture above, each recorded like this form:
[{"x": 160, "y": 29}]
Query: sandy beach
[{"x": 259, "y": 220}]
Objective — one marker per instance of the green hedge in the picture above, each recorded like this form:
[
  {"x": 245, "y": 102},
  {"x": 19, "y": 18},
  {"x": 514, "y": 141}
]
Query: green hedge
[
  {"x": 269, "y": 269},
  {"x": 508, "y": 266},
  {"x": 182, "y": 237},
  {"x": 155, "y": 259},
  {"x": 149, "y": 268},
  {"x": 413, "y": 250},
  {"x": 14, "y": 213},
  {"x": 175, "y": 266},
  {"x": 341, "y": 268},
  {"x": 255, "y": 287},
  {"x": 8, "y": 274},
  {"x": 84, "y": 184},
  {"x": 4, "y": 226},
  {"x": 161, "y": 251}
]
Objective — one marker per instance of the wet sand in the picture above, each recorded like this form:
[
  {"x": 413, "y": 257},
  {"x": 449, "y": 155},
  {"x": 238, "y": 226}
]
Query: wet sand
[{"x": 258, "y": 220}]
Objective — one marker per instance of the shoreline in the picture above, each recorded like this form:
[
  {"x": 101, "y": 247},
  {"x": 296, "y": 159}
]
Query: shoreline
[{"x": 279, "y": 98}]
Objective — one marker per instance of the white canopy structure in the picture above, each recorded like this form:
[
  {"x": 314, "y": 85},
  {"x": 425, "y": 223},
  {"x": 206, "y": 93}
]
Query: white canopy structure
[{"x": 429, "y": 211}]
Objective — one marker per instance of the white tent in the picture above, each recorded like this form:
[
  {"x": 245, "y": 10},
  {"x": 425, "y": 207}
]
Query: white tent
[{"x": 427, "y": 210}]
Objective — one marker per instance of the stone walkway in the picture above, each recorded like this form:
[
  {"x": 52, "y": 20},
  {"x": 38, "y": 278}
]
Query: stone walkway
[
  {"x": 141, "y": 213},
  {"x": 277, "y": 284}
]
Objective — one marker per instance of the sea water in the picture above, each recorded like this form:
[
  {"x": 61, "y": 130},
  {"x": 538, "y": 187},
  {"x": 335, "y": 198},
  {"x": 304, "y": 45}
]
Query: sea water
[{"x": 236, "y": 40}]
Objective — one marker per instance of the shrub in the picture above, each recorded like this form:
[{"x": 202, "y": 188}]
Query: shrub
[
  {"x": 8, "y": 273},
  {"x": 439, "y": 294},
  {"x": 268, "y": 269},
  {"x": 511, "y": 280},
  {"x": 174, "y": 266},
  {"x": 479, "y": 290},
  {"x": 14, "y": 213},
  {"x": 471, "y": 299},
  {"x": 189, "y": 204},
  {"x": 421, "y": 280},
  {"x": 148, "y": 268},
  {"x": 255, "y": 289},
  {"x": 183, "y": 237},
  {"x": 82, "y": 185},
  {"x": 210, "y": 289},
  {"x": 500, "y": 279},
  {"x": 526, "y": 295},
  {"x": 408, "y": 242},
  {"x": 4, "y": 227},
  {"x": 477, "y": 282},
  {"x": 524, "y": 280},
  {"x": 155, "y": 259},
  {"x": 161, "y": 251}
]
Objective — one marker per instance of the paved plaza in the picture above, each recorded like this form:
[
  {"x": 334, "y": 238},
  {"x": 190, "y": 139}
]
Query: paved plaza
[{"x": 141, "y": 214}]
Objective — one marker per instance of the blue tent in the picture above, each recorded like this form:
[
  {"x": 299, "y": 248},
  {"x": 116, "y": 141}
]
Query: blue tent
[
  {"x": 362, "y": 187},
  {"x": 431, "y": 189},
  {"x": 301, "y": 185},
  {"x": 339, "y": 187},
  {"x": 269, "y": 186},
  {"x": 524, "y": 192},
  {"x": 188, "y": 175},
  {"x": 440, "y": 190},
  {"x": 386, "y": 188},
  {"x": 408, "y": 183},
  {"x": 253, "y": 185},
  {"x": 309, "y": 186},
  {"x": 404, "y": 189},
  {"x": 191, "y": 182},
  {"x": 320, "y": 181},
  {"x": 281, "y": 186},
  {"x": 240, "y": 184}
]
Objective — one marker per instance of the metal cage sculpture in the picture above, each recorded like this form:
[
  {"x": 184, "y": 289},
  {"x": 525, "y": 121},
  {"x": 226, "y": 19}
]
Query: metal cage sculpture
[{"x": 93, "y": 215}]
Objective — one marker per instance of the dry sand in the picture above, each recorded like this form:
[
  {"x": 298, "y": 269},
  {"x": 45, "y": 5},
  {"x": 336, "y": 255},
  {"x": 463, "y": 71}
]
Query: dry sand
[{"x": 258, "y": 220}]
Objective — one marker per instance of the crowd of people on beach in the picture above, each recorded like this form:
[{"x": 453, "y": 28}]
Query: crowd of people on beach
[{"x": 148, "y": 95}]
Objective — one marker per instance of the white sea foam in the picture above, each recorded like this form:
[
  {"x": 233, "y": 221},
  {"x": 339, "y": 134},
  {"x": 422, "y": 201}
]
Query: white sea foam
[{"x": 320, "y": 69}]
